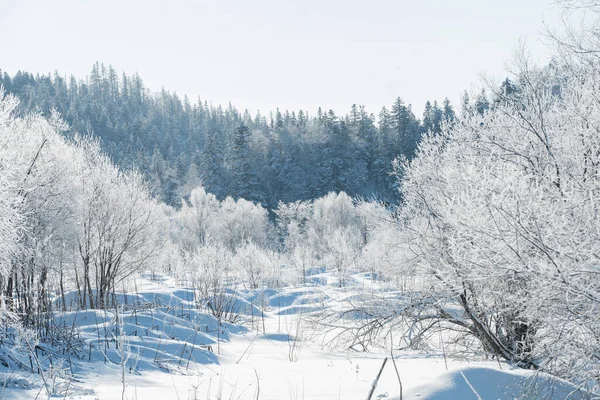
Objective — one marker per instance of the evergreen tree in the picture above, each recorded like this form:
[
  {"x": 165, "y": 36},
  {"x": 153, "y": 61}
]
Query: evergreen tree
[
  {"x": 507, "y": 93},
  {"x": 244, "y": 182},
  {"x": 212, "y": 160},
  {"x": 448, "y": 111},
  {"x": 427, "y": 117},
  {"x": 482, "y": 105},
  {"x": 437, "y": 117},
  {"x": 406, "y": 128}
]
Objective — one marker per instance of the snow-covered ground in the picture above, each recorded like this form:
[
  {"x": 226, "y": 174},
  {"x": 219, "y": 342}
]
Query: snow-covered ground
[{"x": 169, "y": 349}]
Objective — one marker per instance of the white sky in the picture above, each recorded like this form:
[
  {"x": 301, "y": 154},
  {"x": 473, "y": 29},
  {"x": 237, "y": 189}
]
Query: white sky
[{"x": 262, "y": 54}]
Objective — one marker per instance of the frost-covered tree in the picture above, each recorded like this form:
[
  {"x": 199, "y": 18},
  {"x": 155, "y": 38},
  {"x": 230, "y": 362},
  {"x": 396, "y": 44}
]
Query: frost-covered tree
[
  {"x": 500, "y": 218},
  {"x": 117, "y": 235},
  {"x": 10, "y": 218},
  {"x": 39, "y": 167},
  {"x": 292, "y": 220},
  {"x": 77, "y": 215},
  {"x": 210, "y": 269},
  {"x": 198, "y": 216},
  {"x": 380, "y": 252},
  {"x": 258, "y": 266},
  {"x": 334, "y": 233},
  {"x": 240, "y": 222}
]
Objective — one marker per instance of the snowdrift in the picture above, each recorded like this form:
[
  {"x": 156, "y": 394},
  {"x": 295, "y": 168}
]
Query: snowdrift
[{"x": 487, "y": 383}]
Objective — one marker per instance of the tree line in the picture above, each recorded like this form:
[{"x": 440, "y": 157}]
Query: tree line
[{"x": 178, "y": 144}]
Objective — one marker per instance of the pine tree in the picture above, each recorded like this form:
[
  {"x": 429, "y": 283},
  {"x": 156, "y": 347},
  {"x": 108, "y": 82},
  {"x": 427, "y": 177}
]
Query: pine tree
[
  {"x": 465, "y": 110},
  {"x": 481, "y": 103},
  {"x": 448, "y": 111},
  {"x": 211, "y": 163},
  {"x": 406, "y": 128},
  {"x": 243, "y": 176},
  {"x": 437, "y": 116},
  {"x": 507, "y": 93},
  {"x": 427, "y": 117}
]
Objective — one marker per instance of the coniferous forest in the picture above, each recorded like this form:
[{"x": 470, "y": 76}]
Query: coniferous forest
[{"x": 179, "y": 144}]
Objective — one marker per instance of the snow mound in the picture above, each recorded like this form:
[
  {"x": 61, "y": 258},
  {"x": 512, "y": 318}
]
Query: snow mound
[
  {"x": 488, "y": 383},
  {"x": 162, "y": 327}
]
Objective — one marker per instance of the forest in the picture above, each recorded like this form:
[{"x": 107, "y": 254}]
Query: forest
[
  {"x": 178, "y": 143},
  {"x": 143, "y": 234}
]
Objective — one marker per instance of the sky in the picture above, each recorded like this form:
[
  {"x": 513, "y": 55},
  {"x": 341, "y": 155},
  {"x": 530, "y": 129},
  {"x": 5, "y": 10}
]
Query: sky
[{"x": 263, "y": 54}]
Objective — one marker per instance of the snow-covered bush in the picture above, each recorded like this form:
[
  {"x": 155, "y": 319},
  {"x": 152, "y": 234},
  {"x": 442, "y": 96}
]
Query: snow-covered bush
[
  {"x": 210, "y": 267},
  {"x": 240, "y": 222},
  {"x": 198, "y": 218},
  {"x": 335, "y": 233},
  {"x": 381, "y": 254},
  {"x": 292, "y": 220},
  {"x": 204, "y": 219}
]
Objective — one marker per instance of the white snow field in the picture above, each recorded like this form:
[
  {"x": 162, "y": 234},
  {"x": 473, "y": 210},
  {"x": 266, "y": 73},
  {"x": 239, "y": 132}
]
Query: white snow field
[{"x": 161, "y": 346}]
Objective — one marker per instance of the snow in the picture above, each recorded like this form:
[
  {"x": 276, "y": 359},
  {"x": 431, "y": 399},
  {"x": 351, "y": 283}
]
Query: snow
[
  {"x": 176, "y": 351},
  {"x": 492, "y": 383}
]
